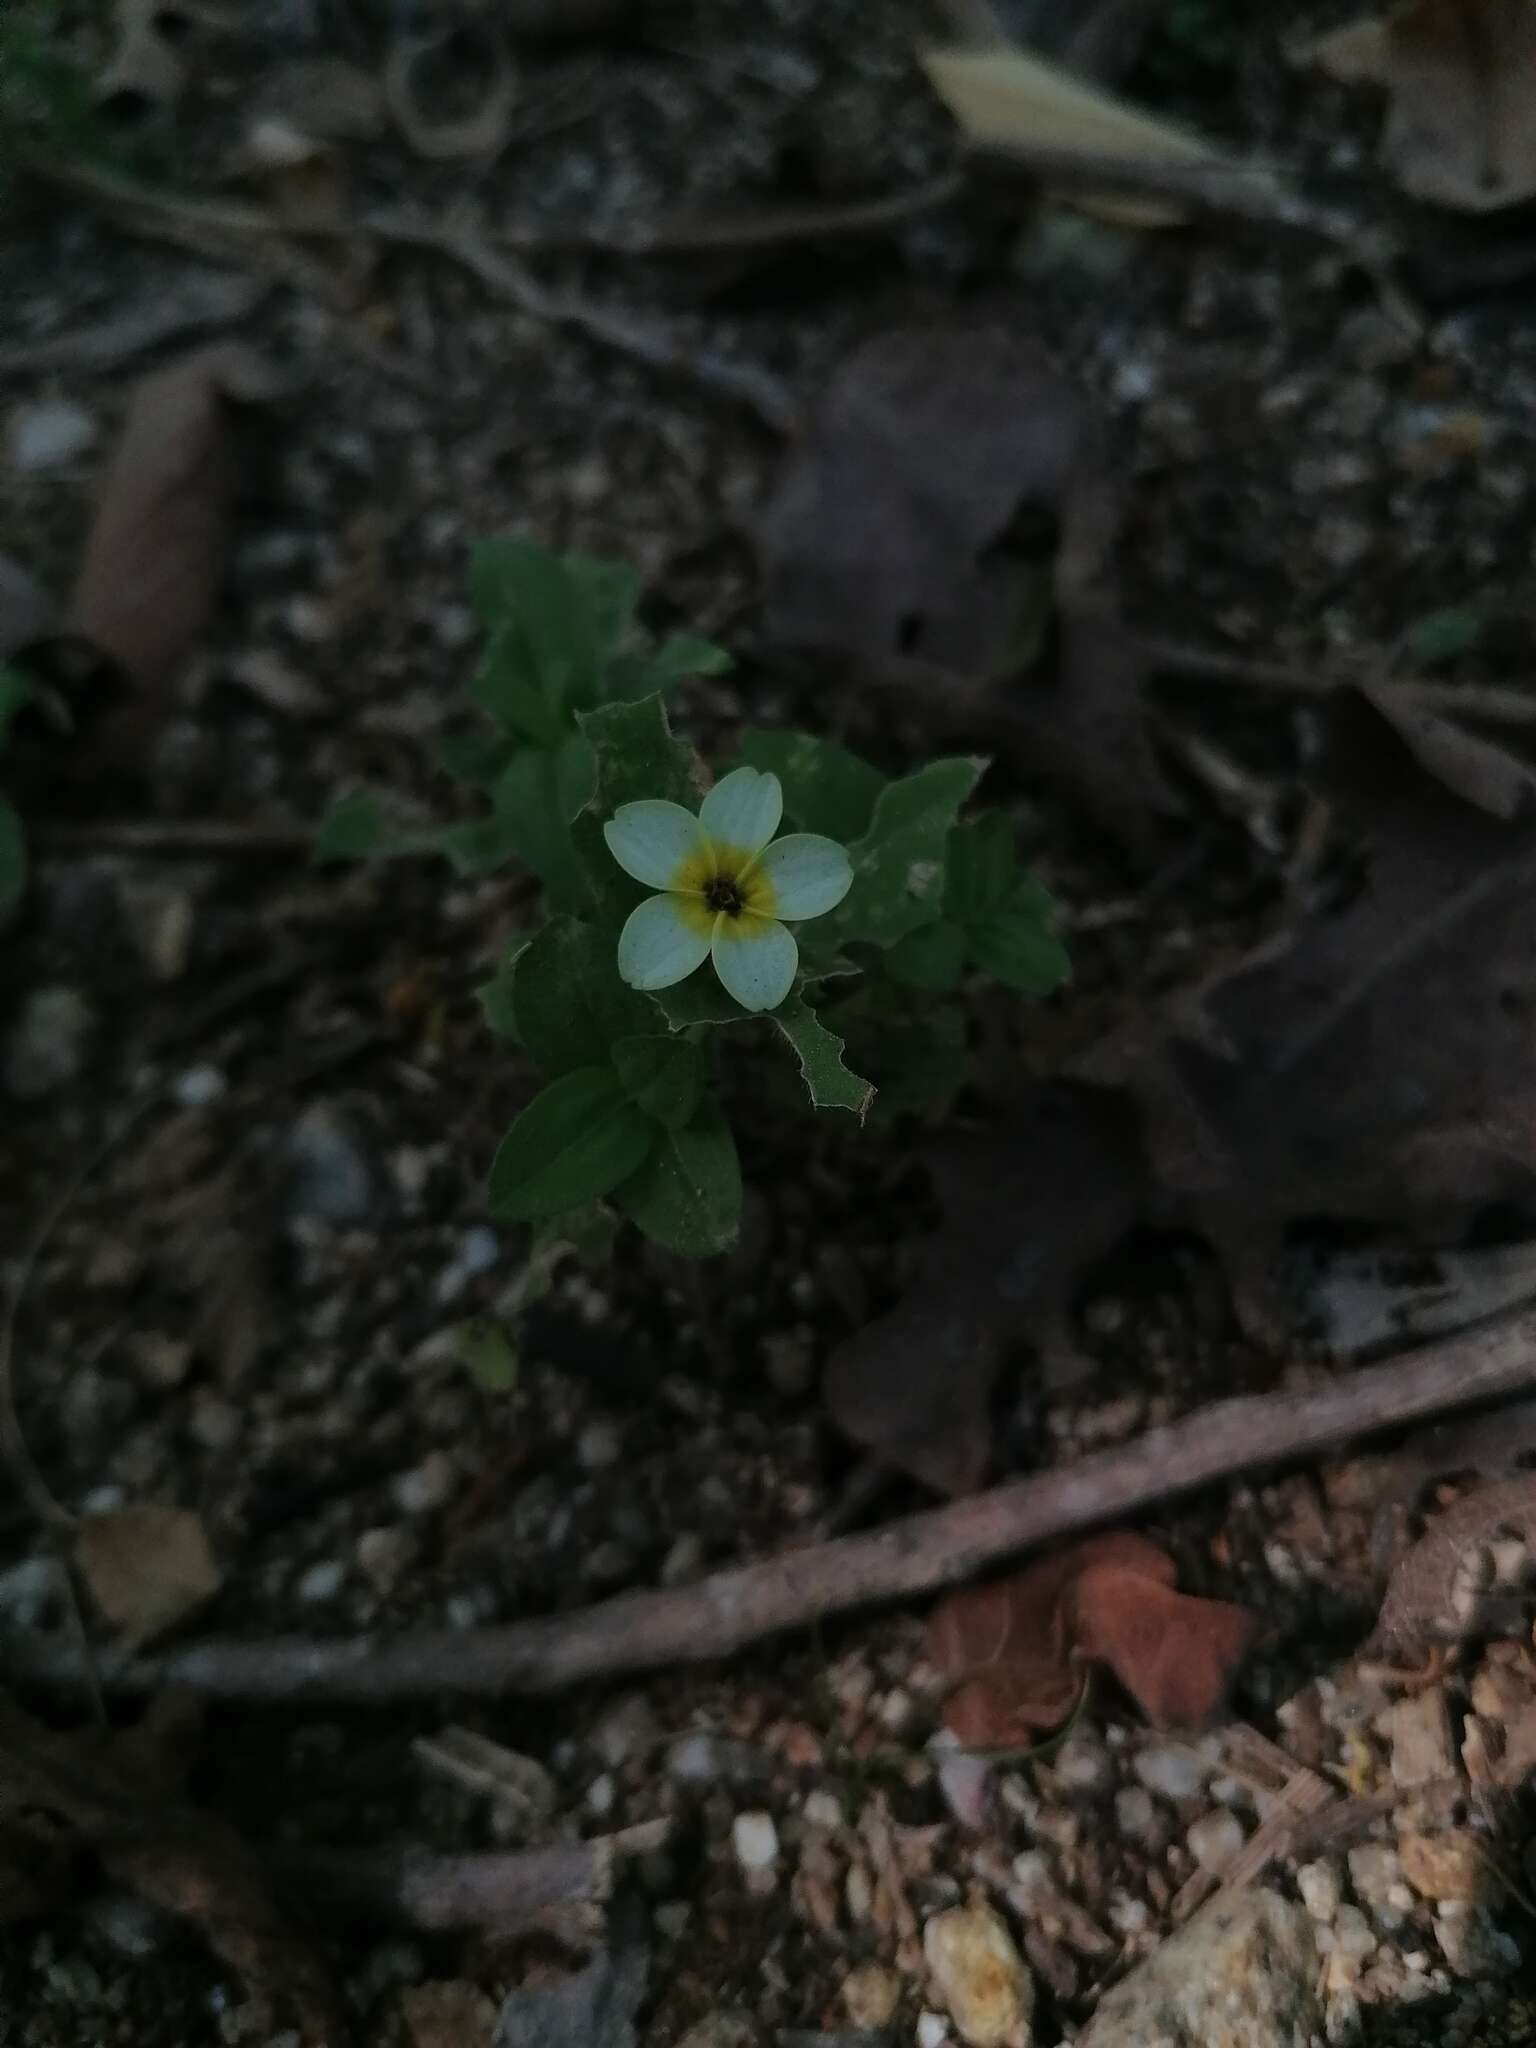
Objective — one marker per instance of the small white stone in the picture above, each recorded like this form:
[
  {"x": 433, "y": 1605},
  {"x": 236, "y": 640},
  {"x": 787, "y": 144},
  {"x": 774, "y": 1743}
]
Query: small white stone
[
  {"x": 1321, "y": 1888},
  {"x": 321, "y": 1582},
  {"x": 1374, "y": 1868},
  {"x": 427, "y": 1486},
  {"x": 822, "y": 1810},
  {"x": 1215, "y": 1839},
  {"x": 1353, "y": 1934},
  {"x": 932, "y": 2030},
  {"x": 756, "y": 1842},
  {"x": 1082, "y": 1765},
  {"x": 199, "y": 1086},
  {"x": 1175, "y": 1772},
  {"x": 1135, "y": 1815},
  {"x": 601, "y": 1795},
  {"x": 599, "y": 1445},
  {"x": 47, "y": 433},
  {"x": 684, "y": 1561}
]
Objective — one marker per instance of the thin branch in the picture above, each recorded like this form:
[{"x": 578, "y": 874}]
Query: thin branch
[
  {"x": 1489, "y": 703},
  {"x": 649, "y": 342},
  {"x": 737, "y": 230},
  {"x": 915, "y": 1556},
  {"x": 560, "y": 1890}
]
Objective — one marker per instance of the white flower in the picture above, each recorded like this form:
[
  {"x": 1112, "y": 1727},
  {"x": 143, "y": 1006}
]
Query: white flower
[{"x": 726, "y": 889}]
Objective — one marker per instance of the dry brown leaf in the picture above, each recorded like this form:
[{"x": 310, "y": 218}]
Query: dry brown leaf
[
  {"x": 118, "y": 1796},
  {"x": 1017, "y": 1648},
  {"x": 945, "y": 507},
  {"x": 147, "y": 1568},
  {"x": 155, "y": 555},
  {"x": 1027, "y": 1210},
  {"x": 1461, "y": 130}
]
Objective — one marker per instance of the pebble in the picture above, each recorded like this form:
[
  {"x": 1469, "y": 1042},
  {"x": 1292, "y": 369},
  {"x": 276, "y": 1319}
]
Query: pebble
[
  {"x": 981, "y": 1977},
  {"x": 427, "y": 1486},
  {"x": 160, "y": 1360},
  {"x": 1083, "y": 1765},
  {"x": 822, "y": 1810},
  {"x": 382, "y": 1554},
  {"x": 1445, "y": 1866},
  {"x": 721, "y": 2030},
  {"x": 871, "y": 1994},
  {"x": 703, "y": 1758},
  {"x": 1135, "y": 1815},
  {"x": 685, "y": 1559},
  {"x": 932, "y": 2030},
  {"x": 600, "y": 1445},
  {"x": 1242, "y": 1974},
  {"x": 1214, "y": 1840},
  {"x": 755, "y": 1840},
  {"x": 1173, "y": 1771},
  {"x": 321, "y": 1581},
  {"x": 626, "y": 1730},
  {"x": 199, "y": 1086},
  {"x": 47, "y": 1043},
  {"x": 1374, "y": 1869},
  {"x": 602, "y": 1795},
  {"x": 46, "y": 434},
  {"x": 28, "y": 1590},
  {"x": 214, "y": 1422},
  {"x": 331, "y": 1179},
  {"x": 1472, "y": 1945},
  {"x": 1322, "y": 1889}
]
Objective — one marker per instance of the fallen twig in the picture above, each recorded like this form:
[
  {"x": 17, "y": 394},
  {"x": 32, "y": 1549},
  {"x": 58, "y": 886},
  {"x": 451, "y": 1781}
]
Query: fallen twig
[
  {"x": 560, "y": 1891},
  {"x": 648, "y": 342},
  {"x": 920, "y": 1554},
  {"x": 736, "y": 230},
  {"x": 1490, "y": 703}
]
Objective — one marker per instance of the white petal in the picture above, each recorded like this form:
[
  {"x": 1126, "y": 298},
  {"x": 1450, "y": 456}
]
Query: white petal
[
  {"x": 662, "y": 942},
  {"x": 743, "y": 810},
  {"x": 809, "y": 874},
  {"x": 756, "y": 958},
  {"x": 651, "y": 840}
]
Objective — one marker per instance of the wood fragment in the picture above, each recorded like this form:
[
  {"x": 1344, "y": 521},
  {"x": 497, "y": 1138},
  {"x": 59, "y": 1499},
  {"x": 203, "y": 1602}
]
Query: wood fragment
[
  {"x": 1487, "y": 703},
  {"x": 919, "y": 1554}
]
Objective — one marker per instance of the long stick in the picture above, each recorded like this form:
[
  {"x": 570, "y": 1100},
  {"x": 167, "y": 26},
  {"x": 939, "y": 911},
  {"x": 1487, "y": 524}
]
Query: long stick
[{"x": 918, "y": 1555}]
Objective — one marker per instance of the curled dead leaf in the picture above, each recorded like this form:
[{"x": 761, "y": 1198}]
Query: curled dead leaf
[
  {"x": 1461, "y": 76},
  {"x": 150, "y": 578},
  {"x": 478, "y": 131},
  {"x": 1016, "y": 1648},
  {"x": 147, "y": 1568}
]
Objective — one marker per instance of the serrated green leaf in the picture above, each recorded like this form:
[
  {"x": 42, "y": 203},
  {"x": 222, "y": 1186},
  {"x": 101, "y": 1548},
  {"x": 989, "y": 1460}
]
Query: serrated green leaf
[
  {"x": 898, "y": 864},
  {"x": 13, "y": 860},
  {"x": 568, "y": 1003},
  {"x": 699, "y": 1000},
  {"x": 981, "y": 867},
  {"x": 578, "y": 1138},
  {"x": 610, "y": 590},
  {"x": 635, "y": 757},
  {"x": 508, "y": 685},
  {"x": 539, "y": 792},
  {"x": 820, "y": 1053},
  {"x": 15, "y": 690},
  {"x": 687, "y": 1195},
  {"x": 663, "y": 1076},
  {"x": 929, "y": 958},
  {"x": 1020, "y": 951},
  {"x": 477, "y": 758},
  {"x": 515, "y": 583},
  {"x": 826, "y": 789},
  {"x": 352, "y": 829},
  {"x": 487, "y": 1353}
]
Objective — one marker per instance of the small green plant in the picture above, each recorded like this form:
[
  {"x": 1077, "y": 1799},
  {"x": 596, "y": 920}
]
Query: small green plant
[
  {"x": 14, "y": 692},
  {"x": 680, "y": 913}
]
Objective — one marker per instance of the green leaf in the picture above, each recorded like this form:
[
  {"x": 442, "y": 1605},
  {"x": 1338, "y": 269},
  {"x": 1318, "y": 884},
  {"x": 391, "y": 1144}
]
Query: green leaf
[
  {"x": 508, "y": 684},
  {"x": 478, "y": 846},
  {"x": 1441, "y": 636},
  {"x": 579, "y": 1138},
  {"x": 826, "y": 789},
  {"x": 700, "y": 1000},
  {"x": 539, "y": 793},
  {"x": 663, "y": 1076},
  {"x": 569, "y": 1006},
  {"x": 898, "y": 864},
  {"x": 515, "y": 583},
  {"x": 929, "y": 958},
  {"x": 352, "y": 829},
  {"x": 982, "y": 867},
  {"x": 820, "y": 1053},
  {"x": 14, "y": 692},
  {"x": 13, "y": 860},
  {"x": 497, "y": 999},
  {"x": 687, "y": 1196},
  {"x": 636, "y": 757},
  {"x": 610, "y": 590},
  {"x": 685, "y": 654},
  {"x": 474, "y": 757},
  {"x": 1016, "y": 948},
  {"x": 488, "y": 1354}
]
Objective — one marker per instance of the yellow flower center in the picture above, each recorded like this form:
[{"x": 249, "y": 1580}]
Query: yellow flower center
[{"x": 722, "y": 881}]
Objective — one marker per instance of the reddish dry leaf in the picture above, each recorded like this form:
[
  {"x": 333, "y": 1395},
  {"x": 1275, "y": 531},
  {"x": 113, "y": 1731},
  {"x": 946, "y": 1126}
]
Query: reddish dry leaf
[
  {"x": 1018, "y": 1646},
  {"x": 152, "y": 566}
]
